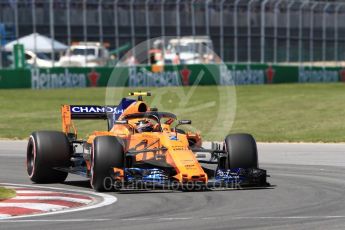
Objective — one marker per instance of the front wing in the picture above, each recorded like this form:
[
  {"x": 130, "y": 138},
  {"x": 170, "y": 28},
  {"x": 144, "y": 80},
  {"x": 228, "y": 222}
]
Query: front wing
[{"x": 139, "y": 178}]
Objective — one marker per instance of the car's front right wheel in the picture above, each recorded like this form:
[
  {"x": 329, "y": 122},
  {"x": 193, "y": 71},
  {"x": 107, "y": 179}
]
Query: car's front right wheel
[{"x": 107, "y": 153}]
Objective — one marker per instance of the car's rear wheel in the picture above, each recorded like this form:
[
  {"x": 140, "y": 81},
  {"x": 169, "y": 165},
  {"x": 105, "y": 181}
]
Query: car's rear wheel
[
  {"x": 241, "y": 151},
  {"x": 46, "y": 150},
  {"x": 107, "y": 153}
]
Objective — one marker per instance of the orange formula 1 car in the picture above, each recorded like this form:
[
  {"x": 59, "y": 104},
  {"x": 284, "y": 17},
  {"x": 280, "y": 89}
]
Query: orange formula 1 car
[{"x": 142, "y": 148}]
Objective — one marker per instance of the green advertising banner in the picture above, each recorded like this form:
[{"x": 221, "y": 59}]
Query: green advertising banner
[
  {"x": 69, "y": 77},
  {"x": 174, "y": 75},
  {"x": 243, "y": 74},
  {"x": 319, "y": 74},
  {"x": 169, "y": 75},
  {"x": 10, "y": 79}
]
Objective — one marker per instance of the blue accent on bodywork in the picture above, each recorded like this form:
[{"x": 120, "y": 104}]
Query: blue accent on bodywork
[
  {"x": 145, "y": 175},
  {"x": 173, "y": 138},
  {"x": 124, "y": 104},
  {"x": 229, "y": 175}
]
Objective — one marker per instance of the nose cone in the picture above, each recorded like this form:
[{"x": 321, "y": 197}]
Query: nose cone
[{"x": 183, "y": 159}]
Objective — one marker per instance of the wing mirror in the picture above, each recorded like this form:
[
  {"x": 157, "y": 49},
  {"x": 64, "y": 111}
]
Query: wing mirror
[
  {"x": 124, "y": 122},
  {"x": 121, "y": 122},
  {"x": 184, "y": 122}
]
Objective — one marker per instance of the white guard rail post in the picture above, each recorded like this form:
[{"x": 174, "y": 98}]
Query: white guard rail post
[
  {"x": 249, "y": 32},
  {"x": 100, "y": 21},
  {"x": 263, "y": 32},
  {"x": 132, "y": 28},
  {"x": 324, "y": 31},
  {"x": 52, "y": 30},
  {"x": 116, "y": 28},
  {"x": 33, "y": 12},
  {"x": 85, "y": 28},
  {"x": 236, "y": 30},
  {"x": 300, "y": 34},
  {"x": 147, "y": 25},
  {"x": 221, "y": 29},
  {"x": 336, "y": 32},
  {"x": 311, "y": 37},
  {"x": 288, "y": 30},
  {"x": 163, "y": 27},
  {"x": 275, "y": 43}
]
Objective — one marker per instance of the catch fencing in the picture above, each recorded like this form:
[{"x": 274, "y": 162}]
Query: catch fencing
[{"x": 242, "y": 31}]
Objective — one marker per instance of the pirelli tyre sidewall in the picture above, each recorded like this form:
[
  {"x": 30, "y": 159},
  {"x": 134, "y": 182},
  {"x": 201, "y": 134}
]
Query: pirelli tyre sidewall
[
  {"x": 46, "y": 150},
  {"x": 241, "y": 151},
  {"x": 107, "y": 153}
]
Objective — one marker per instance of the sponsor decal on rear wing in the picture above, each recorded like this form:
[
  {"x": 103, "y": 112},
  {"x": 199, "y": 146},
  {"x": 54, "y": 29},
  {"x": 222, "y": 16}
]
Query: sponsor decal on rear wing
[
  {"x": 88, "y": 112},
  {"x": 94, "y": 111},
  {"x": 110, "y": 113}
]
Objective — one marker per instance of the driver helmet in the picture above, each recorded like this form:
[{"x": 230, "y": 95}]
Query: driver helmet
[{"x": 144, "y": 126}]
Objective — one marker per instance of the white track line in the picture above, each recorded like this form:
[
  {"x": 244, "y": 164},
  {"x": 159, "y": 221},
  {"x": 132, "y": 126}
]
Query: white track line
[
  {"x": 106, "y": 200},
  {"x": 33, "y": 191},
  {"x": 37, "y": 206},
  {"x": 180, "y": 219},
  {"x": 286, "y": 217},
  {"x": 233, "y": 218},
  {"x": 12, "y": 187},
  {"x": 63, "y": 198},
  {"x": 4, "y": 216},
  {"x": 58, "y": 220},
  {"x": 175, "y": 218}
]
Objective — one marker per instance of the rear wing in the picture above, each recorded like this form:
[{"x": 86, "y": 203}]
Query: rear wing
[
  {"x": 86, "y": 112},
  {"x": 92, "y": 112}
]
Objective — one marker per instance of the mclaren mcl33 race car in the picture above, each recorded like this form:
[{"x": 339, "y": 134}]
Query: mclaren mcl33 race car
[{"x": 142, "y": 148}]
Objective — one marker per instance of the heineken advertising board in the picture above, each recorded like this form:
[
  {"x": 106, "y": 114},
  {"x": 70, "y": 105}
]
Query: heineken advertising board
[
  {"x": 306, "y": 75},
  {"x": 14, "y": 79},
  {"x": 69, "y": 77},
  {"x": 179, "y": 75},
  {"x": 56, "y": 78},
  {"x": 143, "y": 77}
]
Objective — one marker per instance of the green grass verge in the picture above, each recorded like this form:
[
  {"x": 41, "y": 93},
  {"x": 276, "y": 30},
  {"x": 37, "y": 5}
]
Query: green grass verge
[
  {"x": 293, "y": 112},
  {"x": 6, "y": 193}
]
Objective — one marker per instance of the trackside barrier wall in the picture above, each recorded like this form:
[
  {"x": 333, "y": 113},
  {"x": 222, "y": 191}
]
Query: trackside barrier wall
[
  {"x": 141, "y": 76},
  {"x": 20, "y": 78}
]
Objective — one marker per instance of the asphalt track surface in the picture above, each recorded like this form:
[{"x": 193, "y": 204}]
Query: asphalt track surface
[{"x": 308, "y": 193}]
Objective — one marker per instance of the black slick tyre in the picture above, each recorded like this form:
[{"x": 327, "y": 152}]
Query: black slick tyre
[
  {"x": 46, "y": 150},
  {"x": 241, "y": 151},
  {"x": 107, "y": 153}
]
